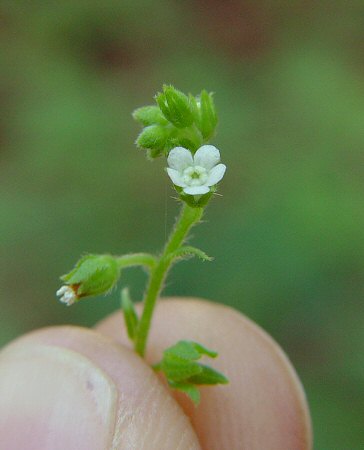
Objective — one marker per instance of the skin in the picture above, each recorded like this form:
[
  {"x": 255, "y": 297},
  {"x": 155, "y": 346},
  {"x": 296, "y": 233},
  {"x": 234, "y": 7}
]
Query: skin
[{"x": 74, "y": 388}]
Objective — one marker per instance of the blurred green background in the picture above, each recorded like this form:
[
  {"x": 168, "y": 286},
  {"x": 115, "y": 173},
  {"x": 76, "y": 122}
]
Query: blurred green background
[{"x": 287, "y": 235}]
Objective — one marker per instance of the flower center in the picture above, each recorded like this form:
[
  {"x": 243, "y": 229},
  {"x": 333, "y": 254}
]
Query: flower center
[{"x": 195, "y": 176}]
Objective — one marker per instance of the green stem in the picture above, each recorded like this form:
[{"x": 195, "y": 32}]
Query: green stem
[
  {"x": 189, "y": 216},
  {"x": 137, "y": 259}
]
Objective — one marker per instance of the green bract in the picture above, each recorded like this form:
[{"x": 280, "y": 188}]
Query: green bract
[{"x": 93, "y": 275}]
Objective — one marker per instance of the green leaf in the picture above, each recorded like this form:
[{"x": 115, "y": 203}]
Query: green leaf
[
  {"x": 208, "y": 375},
  {"x": 183, "y": 349},
  {"x": 178, "y": 369},
  {"x": 149, "y": 115},
  {"x": 130, "y": 315},
  {"x": 189, "y": 389},
  {"x": 184, "y": 373},
  {"x": 188, "y": 251},
  {"x": 204, "y": 351}
]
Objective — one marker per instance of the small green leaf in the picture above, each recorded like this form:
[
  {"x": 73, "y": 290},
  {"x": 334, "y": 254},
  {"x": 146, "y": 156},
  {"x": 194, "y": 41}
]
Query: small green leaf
[
  {"x": 130, "y": 315},
  {"x": 188, "y": 251},
  {"x": 183, "y": 349},
  {"x": 208, "y": 375},
  {"x": 184, "y": 373},
  {"x": 189, "y": 389},
  {"x": 204, "y": 351},
  {"x": 178, "y": 369},
  {"x": 149, "y": 115}
]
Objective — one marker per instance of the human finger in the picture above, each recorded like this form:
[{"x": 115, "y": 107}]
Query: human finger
[
  {"x": 263, "y": 407},
  {"x": 72, "y": 388}
]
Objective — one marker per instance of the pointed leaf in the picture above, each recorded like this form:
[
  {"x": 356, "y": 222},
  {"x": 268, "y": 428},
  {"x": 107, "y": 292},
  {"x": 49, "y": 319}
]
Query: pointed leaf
[
  {"x": 178, "y": 369},
  {"x": 184, "y": 350},
  {"x": 130, "y": 315},
  {"x": 204, "y": 351},
  {"x": 187, "y": 252},
  {"x": 189, "y": 389},
  {"x": 208, "y": 375}
]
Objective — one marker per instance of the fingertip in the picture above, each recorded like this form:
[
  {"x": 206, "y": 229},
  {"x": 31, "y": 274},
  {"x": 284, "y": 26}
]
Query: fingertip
[
  {"x": 263, "y": 406},
  {"x": 69, "y": 387}
]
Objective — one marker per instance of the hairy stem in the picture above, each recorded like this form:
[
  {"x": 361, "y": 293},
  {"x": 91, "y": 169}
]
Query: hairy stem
[
  {"x": 188, "y": 217},
  {"x": 137, "y": 259}
]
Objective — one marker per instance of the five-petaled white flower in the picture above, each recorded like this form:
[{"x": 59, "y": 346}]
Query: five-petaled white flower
[
  {"x": 195, "y": 174},
  {"x": 67, "y": 295}
]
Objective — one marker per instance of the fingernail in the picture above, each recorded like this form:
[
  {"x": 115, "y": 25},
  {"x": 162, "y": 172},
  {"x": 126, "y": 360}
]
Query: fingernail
[{"x": 54, "y": 398}]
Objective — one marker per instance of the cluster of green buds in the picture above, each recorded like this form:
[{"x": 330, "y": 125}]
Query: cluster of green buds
[
  {"x": 178, "y": 127},
  {"x": 176, "y": 120}
]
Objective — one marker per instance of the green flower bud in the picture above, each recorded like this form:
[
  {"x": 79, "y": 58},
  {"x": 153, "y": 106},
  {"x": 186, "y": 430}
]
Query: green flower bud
[
  {"x": 149, "y": 115},
  {"x": 208, "y": 116},
  {"x": 92, "y": 275},
  {"x": 154, "y": 138},
  {"x": 175, "y": 106}
]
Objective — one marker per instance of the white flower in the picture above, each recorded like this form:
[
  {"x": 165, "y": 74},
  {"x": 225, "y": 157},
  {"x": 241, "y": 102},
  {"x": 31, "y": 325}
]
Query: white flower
[
  {"x": 195, "y": 174},
  {"x": 67, "y": 295}
]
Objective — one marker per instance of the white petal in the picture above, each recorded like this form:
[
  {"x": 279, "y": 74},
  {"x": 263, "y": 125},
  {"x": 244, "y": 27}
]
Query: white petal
[
  {"x": 216, "y": 174},
  {"x": 196, "y": 190},
  {"x": 62, "y": 290},
  {"x": 176, "y": 178},
  {"x": 179, "y": 158},
  {"x": 207, "y": 156}
]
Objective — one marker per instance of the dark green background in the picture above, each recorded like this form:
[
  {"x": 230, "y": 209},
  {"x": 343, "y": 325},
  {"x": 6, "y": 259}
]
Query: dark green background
[{"x": 287, "y": 235}]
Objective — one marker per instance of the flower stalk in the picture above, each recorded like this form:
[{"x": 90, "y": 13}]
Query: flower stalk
[{"x": 189, "y": 217}]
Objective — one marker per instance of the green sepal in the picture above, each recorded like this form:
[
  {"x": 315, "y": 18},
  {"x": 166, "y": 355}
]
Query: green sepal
[
  {"x": 182, "y": 141},
  {"x": 93, "y": 275},
  {"x": 208, "y": 116},
  {"x": 188, "y": 251},
  {"x": 175, "y": 106},
  {"x": 149, "y": 115},
  {"x": 195, "y": 201},
  {"x": 189, "y": 389},
  {"x": 130, "y": 315},
  {"x": 154, "y": 137}
]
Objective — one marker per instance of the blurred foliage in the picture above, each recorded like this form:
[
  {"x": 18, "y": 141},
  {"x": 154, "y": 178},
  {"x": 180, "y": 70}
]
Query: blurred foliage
[{"x": 288, "y": 234}]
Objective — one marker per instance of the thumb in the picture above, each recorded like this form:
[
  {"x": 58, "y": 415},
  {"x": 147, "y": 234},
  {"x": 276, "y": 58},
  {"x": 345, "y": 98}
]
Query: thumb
[{"x": 68, "y": 387}]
